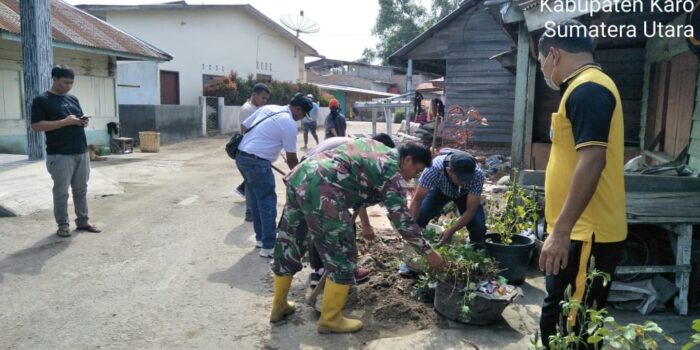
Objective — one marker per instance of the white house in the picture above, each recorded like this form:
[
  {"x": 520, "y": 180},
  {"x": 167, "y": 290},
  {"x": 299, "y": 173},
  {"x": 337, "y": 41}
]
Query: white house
[
  {"x": 85, "y": 43},
  {"x": 206, "y": 41}
]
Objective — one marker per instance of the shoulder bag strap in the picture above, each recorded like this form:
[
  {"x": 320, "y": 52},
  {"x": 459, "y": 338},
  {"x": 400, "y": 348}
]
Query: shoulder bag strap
[{"x": 262, "y": 120}]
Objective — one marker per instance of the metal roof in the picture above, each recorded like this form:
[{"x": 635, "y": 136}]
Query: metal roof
[
  {"x": 400, "y": 54},
  {"x": 102, "y": 10},
  {"x": 352, "y": 89},
  {"x": 74, "y": 29}
]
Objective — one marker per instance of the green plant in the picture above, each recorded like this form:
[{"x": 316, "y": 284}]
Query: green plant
[
  {"x": 236, "y": 90},
  {"x": 463, "y": 265},
  {"x": 695, "y": 338},
  {"x": 325, "y": 98},
  {"x": 518, "y": 212},
  {"x": 598, "y": 329}
]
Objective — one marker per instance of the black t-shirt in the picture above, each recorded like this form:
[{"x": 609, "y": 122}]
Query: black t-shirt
[
  {"x": 68, "y": 139},
  {"x": 590, "y": 108}
]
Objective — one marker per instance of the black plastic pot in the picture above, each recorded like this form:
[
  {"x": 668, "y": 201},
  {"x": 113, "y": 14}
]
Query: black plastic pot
[
  {"x": 512, "y": 258},
  {"x": 485, "y": 309}
]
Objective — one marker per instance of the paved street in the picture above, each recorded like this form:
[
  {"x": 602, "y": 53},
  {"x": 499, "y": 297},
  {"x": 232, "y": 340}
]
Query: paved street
[{"x": 175, "y": 268}]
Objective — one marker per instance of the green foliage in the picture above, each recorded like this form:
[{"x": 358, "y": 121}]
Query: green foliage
[
  {"x": 695, "y": 338},
  {"x": 399, "y": 115},
  {"x": 236, "y": 90},
  {"x": 369, "y": 56},
  {"x": 324, "y": 99},
  {"x": 464, "y": 266},
  {"x": 430, "y": 234},
  {"x": 599, "y": 329},
  {"x": 400, "y": 21},
  {"x": 518, "y": 212}
]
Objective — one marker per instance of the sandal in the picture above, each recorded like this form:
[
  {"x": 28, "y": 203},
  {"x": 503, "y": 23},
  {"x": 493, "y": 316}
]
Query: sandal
[
  {"x": 63, "y": 231},
  {"x": 89, "y": 228}
]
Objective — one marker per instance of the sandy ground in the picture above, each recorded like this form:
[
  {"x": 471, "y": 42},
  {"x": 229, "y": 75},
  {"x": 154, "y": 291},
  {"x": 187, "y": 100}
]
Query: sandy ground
[{"x": 175, "y": 268}]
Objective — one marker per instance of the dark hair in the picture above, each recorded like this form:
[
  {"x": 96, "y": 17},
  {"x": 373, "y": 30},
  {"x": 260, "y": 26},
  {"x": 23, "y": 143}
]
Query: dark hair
[
  {"x": 385, "y": 139},
  {"x": 302, "y": 101},
  {"x": 260, "y": 87},
  {"x": 61, "y": 71},
  {"x": 419, "y": 153},
  {"x": 568, "y": 36}
]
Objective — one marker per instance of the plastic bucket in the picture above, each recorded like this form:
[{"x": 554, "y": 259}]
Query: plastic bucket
[
  {"x": 512, "y": 258},
  {"x": 485, "y": 309}
]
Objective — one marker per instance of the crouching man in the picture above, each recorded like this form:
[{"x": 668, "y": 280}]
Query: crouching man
[{"x": 320, "y": 191}]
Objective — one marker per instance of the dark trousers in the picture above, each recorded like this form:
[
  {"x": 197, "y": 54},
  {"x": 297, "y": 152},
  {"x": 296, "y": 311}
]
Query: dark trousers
[
  {"x": 606, "y": 257},
  {"x": 310, "y": 127},
  {"x": 432, "y": 205}
]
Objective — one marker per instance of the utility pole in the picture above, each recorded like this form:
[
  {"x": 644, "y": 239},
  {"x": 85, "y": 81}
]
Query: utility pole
[{"x": 37, "y": 59}]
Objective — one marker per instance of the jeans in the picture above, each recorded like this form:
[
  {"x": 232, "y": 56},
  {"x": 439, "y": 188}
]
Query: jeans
[
  {"x": 260, "y": 196},
  {"x": 310, "y": 127},
  {"x": 69, "y": 170},
  {"x": 432, "y": 205}
]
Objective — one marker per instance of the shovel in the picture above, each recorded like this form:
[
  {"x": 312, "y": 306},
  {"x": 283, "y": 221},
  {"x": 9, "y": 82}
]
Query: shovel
[{"x": 311, "y": 300}]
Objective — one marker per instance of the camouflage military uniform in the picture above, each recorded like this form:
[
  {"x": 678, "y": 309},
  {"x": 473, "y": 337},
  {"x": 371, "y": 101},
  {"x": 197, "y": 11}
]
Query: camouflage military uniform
[{"x": 320, "y": 192}]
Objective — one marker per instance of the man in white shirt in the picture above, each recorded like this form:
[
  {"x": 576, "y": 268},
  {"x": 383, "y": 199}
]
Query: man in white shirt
[
  {"x": 258, "y": 98},
  {"x": 272, "y": 128}
]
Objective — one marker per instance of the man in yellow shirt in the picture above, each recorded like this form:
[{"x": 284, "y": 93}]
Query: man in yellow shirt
[{"x": 584, "y": 183}]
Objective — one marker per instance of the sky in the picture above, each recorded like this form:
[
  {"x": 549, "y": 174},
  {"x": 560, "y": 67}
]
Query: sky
[{"x": 345, "y": 25}]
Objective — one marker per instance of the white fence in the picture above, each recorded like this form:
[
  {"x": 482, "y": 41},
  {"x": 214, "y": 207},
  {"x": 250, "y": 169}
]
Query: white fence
[{"x": 230, "y": 122}]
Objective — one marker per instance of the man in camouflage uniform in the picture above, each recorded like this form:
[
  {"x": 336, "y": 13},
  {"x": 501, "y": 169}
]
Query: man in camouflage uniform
[{"x": 320, "y": 191}]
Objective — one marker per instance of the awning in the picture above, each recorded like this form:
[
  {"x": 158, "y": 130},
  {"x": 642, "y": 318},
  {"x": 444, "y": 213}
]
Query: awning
[{"x": 353, "y": 89}]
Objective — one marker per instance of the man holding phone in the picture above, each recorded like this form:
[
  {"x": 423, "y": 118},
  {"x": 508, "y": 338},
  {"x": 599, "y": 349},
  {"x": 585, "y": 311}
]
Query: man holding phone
[{"x": 59, "y": 115}]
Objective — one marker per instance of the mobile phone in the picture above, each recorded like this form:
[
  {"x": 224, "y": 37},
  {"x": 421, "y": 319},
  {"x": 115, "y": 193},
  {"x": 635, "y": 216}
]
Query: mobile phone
[{"x": 84, "y": 117}]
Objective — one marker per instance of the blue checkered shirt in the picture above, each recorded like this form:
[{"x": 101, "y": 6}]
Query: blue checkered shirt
[{"x": 436, "y": 177}]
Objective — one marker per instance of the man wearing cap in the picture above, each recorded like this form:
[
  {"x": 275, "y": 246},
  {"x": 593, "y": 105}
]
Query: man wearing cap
[
  {"x": 310, "y": 123},
  {"x": 453, "y": 176},
  {"x": 259, "y": 97},
  {"x": 272, "y": 128},
  {"x": 335, "y": 122}
]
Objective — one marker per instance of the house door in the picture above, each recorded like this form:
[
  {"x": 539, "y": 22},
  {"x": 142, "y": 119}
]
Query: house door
[
  {"x": 169, "y": 88},
  {"x": 671, "y": 102}
]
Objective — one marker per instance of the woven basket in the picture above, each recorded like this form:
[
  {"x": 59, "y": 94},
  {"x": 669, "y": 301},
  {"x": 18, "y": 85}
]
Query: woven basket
[{"x": 149, "y": 141}]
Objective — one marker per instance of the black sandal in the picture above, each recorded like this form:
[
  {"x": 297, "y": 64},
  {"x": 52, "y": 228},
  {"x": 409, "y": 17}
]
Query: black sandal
[
  {"x": 63, "y": 231},
  {"x": 90, "y": 228}
]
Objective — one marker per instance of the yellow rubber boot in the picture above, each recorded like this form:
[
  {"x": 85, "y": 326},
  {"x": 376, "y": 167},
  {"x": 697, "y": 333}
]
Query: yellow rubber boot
[
  {"x": 280, "y": 306},
  {"x": 332, "y": 320}
]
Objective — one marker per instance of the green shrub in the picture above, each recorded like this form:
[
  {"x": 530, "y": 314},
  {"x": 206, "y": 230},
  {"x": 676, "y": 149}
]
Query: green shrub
[{"x": 236, "y": 90}]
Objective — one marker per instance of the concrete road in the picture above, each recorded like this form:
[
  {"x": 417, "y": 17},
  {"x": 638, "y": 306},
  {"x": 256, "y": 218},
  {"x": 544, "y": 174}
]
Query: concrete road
[{"x": 175, "y": 268}]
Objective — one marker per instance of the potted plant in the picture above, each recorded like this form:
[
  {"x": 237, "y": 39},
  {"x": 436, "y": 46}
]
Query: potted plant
[
  {"x": 517, "y": 213},
  {"x": 469, "y": 285}
]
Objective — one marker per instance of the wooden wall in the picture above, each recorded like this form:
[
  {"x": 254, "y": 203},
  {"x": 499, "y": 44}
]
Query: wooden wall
[
  {"x": 625, "y": 67},
  {"x": 473, "y": 79},
  {"x": 659, "y": 50}
]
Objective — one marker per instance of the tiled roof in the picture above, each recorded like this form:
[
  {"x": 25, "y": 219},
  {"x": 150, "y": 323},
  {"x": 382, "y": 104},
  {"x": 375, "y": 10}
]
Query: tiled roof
[{"x": 78, "y": 29}]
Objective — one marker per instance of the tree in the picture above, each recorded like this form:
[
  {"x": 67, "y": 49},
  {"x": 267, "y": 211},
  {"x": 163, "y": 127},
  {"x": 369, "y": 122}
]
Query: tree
[
  {"x": 400, "y": 21},
  {"x": 37, "y": 55},
  {"x": 442, "y": 8},
  {"x": 369, "y": 56}
]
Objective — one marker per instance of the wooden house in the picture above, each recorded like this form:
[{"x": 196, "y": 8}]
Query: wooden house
[
  {"x": 460, "y": 47},
  {"x": 487, "y": 51}
]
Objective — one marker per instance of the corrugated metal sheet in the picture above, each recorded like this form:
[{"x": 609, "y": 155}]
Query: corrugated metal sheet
[{"x": 71, "y": 25}]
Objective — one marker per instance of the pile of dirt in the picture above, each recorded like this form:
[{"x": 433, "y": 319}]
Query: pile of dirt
[{"x": 385, "y": 301}]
